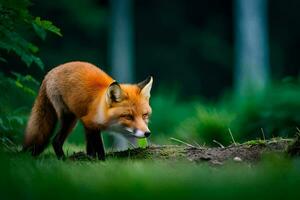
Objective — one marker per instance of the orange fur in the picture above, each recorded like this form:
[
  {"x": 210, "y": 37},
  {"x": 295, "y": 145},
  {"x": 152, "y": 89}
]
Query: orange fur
[{"x": 79, "y": 90}]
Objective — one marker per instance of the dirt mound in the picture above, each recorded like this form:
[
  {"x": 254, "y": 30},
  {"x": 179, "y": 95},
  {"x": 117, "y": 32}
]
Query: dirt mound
[{"x": 248, "y": 152}]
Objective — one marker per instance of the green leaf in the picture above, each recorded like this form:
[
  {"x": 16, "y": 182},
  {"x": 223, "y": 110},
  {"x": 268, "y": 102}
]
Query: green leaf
[
  {"x": 142, "y": 143},
  {"x": 38, "y": 62},
  {"x": 12, "y": 41},
  {"x": 15, "y": 16},
  {"x": 39, "y": 31},
  {"x": 47, "y": 25},
  {"x": 23, "y": 78}
]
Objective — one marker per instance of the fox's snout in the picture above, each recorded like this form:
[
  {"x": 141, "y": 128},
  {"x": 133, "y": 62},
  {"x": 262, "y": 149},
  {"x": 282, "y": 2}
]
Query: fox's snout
[
  {"x": 138, "y": 133},
  {"x": 147, "y": 134}
]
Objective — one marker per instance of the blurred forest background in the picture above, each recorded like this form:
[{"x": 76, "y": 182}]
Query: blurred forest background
[{"x": 219, "y": 66}]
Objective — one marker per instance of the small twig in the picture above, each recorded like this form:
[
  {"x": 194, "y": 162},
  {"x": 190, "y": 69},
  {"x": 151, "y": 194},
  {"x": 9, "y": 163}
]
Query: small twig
[
  {"x": 232, "y": 136},
  {"x": 196, "y": 143},
  {"x": 9, "y": 145},
  {"x": 9, "y": 141},
  {"x": 215, "y": 141},
  {"x": 263, "y": 133},
  {"x": 298, "y": 133},
  {"x": 182, "y": 142},
  {"x": 9, "y": 148},
  {"x": 273, "y": 140}
]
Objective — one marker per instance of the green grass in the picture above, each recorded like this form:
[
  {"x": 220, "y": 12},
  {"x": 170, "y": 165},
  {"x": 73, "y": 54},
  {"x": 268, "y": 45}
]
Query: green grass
[
  {"x": 45, "y": 177},
  {"x": 255, "y": 142}
]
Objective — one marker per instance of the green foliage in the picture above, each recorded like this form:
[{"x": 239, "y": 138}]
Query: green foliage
[
  {"x": 18, "y": 93},
  {"x": 15, "y": 103},
  {"x": 15, "y": 21},
  {"x": 209, "y": 124},
  {"x": 275, "y": 112},
  {"x": 41, "y": 26},
  {"x": 142, "y": 143},
  {"x": 12, "y": 125},
  {"x": 168, "y": 112}
]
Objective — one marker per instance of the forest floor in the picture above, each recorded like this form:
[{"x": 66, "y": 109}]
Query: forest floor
[
  {"x": 249, "y": 152},
  {"x": 259, "y": 168}
]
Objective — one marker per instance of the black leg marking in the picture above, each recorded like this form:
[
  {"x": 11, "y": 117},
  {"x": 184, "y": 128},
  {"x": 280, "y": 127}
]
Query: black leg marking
[
  {"x": 68, "y": 122},
  {"x": 38, "y": 149},
  {"x": 94, "y": 144}
]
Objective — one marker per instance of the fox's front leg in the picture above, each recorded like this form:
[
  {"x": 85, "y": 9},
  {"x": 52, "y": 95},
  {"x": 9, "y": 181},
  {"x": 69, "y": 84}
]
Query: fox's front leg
[
  {"x": 94, "y": 143},
  {"x": 68, "y": 121}
]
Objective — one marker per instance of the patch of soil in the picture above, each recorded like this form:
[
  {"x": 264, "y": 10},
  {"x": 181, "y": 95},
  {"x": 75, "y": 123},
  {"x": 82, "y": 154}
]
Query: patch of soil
[
  {"x": 294, "y": 148},
  {"x": 238, "y": 153},
  {"x": 247, "y": 152}
]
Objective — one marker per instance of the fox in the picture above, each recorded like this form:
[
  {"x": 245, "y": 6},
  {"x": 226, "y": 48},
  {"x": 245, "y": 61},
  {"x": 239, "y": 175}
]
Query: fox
[{"x": 80, "y": 91}]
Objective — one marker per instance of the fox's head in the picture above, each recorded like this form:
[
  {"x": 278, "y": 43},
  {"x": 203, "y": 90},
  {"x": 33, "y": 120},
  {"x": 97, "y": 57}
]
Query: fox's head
[{"x": 128, "y": 108}]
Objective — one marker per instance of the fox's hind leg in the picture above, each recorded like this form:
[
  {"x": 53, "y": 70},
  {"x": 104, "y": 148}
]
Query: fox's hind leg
[
  {"x": 68, "y": 121},
  {"x": 94, "y": 143}
]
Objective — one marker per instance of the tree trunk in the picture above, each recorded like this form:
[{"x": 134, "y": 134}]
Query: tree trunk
[
  {"x": 251, "y": 46},
  {"x": 121, "y": 40},
  {"x": 121, "y": 50}
]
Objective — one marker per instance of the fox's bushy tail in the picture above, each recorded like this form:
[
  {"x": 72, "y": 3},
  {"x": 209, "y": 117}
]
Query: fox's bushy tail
[{"x": 41, "y": 123}]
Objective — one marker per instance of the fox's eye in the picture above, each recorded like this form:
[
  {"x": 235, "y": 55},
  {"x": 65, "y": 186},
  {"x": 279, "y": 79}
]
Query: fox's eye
[
  {"x": 145, "y": 116},
  {"x": 127, "y": 117}
]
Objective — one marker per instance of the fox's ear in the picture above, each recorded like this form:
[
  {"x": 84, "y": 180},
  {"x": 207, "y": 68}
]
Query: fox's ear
[
  {"x": 114, "y": 93},
  {"x": 146, "y": 86}
]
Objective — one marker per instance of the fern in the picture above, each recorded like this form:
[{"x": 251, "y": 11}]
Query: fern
[
  {"x": 12, "y": 126},
  {"x": 15, "y": 104},
  {"x": 41, "y": 26},
  {"x": 20, "y": 91},
  {"x": 14, "y": 16}
]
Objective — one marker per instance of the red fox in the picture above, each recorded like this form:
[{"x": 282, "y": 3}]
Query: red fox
[{"x": 81, "y": 91}]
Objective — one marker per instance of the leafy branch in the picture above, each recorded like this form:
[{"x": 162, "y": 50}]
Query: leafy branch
[{"x": 14, "y": 18}]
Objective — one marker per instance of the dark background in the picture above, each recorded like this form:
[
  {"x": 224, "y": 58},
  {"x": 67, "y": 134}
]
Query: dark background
[{"x": 185, "y": 45}]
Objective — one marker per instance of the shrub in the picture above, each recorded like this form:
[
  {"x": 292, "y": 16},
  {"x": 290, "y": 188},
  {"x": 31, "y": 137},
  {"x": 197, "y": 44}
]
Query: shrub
[
  {"x": 15, "y": 103},
  {"x": 15, "y": 21},
  {"x": 209, "y": 124},
  {"x": 168, "y": 112},
  {"x": 276, "y": 112}
]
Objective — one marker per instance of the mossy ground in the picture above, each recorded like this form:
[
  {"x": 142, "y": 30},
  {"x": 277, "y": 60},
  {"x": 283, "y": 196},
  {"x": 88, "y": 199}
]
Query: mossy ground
[{"x": 250, "y": 152}]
